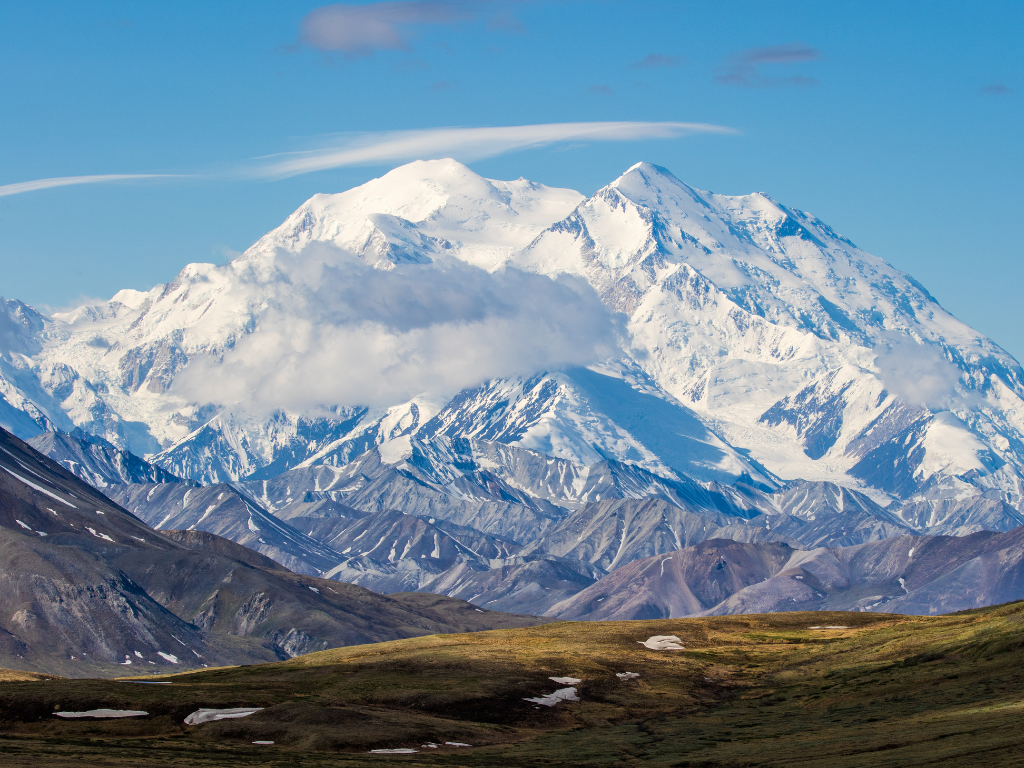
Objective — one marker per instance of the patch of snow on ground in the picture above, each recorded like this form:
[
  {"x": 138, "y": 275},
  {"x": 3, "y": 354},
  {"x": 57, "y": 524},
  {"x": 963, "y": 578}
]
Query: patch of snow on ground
[
  {"x": 566, "y": 680},
  {"x": 457, "y": 744},
  {"x": 627, "y": 675},
  {"x": 104, "y": 713},
  {"x": 402, "y": 751},
  {"x": 662, "y": 643},
  {"x": 32, "y": 485},
  {"x": 98, "y": 535},
  {"x": 209, "y": 715},
  {"x": 549, "y": 700},
  {"x": 167, "y": 657},
  {"x": 263, "y": 743}
]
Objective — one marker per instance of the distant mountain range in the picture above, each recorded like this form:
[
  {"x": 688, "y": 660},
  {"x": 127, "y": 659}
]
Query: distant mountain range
[
  {"x": 753, "y": 376},
  {"x": 593, "y": 550}
]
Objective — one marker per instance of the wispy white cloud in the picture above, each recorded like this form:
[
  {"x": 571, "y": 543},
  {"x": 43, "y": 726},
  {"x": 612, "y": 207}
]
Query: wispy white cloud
[
  {"x": 779, "y": 54},
  {"x": 919, "y": 374},
  {"x": 465, "y": 144},
  {"x": 67, "y": 181}
]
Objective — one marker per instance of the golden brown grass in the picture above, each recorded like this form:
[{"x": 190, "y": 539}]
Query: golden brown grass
[
  {"x": 747, "y": 690},
  {"x": 14, "y": 675}
]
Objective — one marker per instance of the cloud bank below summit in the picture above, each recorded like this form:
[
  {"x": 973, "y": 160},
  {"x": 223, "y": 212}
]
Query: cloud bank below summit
[{"x": 339, "y": 332}]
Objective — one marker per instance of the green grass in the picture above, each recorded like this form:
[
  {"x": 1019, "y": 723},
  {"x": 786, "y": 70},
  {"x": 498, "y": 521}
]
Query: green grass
[{"x": 748, "y": 690}]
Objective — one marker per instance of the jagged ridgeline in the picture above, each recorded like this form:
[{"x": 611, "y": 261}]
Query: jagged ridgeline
[{"x": 505, "y": 392}]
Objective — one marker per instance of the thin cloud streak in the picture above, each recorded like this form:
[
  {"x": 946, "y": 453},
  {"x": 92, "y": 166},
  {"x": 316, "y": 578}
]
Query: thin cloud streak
[
  {"x": 67, "y": 181},
  {"x": 465, "y": 144}
]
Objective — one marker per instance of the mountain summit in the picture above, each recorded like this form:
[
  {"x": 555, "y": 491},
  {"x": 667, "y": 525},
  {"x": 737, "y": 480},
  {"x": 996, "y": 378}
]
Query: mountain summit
[{"x": 690, "y": 334}]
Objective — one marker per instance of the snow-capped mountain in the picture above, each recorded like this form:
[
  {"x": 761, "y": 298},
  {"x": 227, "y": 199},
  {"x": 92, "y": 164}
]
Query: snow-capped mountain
[
  {"x": 743, "y": 340},
  {"x": 787, "y": 338}
]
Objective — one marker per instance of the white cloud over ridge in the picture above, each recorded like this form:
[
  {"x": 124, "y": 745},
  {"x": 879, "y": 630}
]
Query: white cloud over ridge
[
  {"x": 339, "y": 332},
  {"x": 465, "y": 144},
  {"x": 918, "y": 374}
]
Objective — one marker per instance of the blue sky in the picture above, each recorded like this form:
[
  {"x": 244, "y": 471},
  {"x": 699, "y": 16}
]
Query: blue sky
[{"x": 899, "y": 124}]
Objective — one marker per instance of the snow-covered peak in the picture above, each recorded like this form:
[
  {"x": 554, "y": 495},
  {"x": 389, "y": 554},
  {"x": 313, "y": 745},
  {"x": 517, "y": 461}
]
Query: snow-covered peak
[
  {"x": 452, "y": 209},
  {"x": 650, "y": 185}
]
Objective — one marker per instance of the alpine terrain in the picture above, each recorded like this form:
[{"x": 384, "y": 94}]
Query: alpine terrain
[{"x": 534, "y": 400}]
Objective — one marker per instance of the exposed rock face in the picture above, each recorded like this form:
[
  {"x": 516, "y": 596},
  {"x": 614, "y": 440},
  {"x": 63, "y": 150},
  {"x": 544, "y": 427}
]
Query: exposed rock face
[{"x": 227, "y": 512}]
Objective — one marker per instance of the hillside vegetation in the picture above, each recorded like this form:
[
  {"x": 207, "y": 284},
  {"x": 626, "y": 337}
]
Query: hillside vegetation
[{"x": 790, "y": 689}]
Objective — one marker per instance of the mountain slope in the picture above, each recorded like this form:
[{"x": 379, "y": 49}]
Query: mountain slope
[
  {"x": 97, "y": 462},
  {"x": 779, "y": 331},
  {"x": 903, "y": 574},
  {"x": 224, "y": 511},
  {"x": 88, "y": 589}
]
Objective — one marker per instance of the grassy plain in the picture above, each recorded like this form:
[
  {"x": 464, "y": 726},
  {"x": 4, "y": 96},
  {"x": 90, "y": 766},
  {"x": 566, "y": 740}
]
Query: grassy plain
[{"x": 756, "y": 690}]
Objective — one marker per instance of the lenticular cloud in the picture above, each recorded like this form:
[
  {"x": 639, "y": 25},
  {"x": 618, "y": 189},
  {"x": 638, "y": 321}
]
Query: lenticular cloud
[{"x": 334, "y": 331}]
